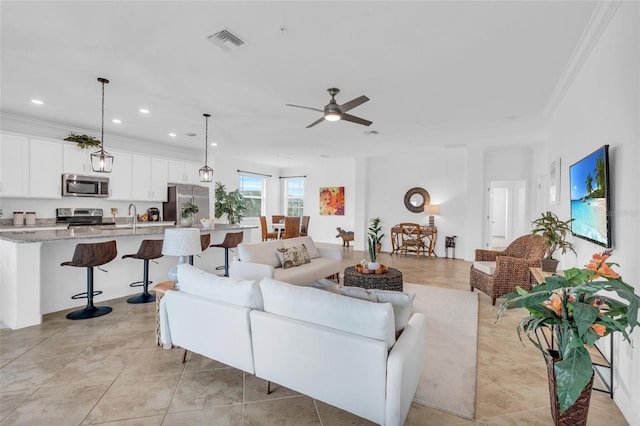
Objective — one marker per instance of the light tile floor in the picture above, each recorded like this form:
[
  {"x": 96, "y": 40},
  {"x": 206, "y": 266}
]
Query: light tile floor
[{"x": 108, "y": 371}]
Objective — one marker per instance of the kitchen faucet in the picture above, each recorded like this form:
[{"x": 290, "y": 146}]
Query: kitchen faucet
[{"x": 135, "y": 215}]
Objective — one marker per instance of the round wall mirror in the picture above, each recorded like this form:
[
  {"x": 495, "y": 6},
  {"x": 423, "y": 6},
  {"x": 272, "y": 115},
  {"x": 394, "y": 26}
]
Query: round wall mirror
[{"x": 415, "y": 199}]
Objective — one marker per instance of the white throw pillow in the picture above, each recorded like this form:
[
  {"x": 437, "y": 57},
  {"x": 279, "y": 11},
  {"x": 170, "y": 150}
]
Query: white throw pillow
[
  {"x": 231, "y": 290},
  {"x": 372, "y": 320},
  {"x": 357, "y": 292},
  {"x": 308, "y": 243},
  {"x": 265, "y": 253},
  {"x": 402, "y": 305}
]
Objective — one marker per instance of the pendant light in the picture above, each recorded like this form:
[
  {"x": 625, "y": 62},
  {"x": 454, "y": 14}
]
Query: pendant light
[
  {"x": 206, "y": 172},
  {"x": 102, "y": 161}
]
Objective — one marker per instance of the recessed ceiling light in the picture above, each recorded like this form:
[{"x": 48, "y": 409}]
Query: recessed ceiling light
[
  {"x": 144, "y": 110},
  {"x": 37, "y": 102},
  {"x": 117, "y": 121},
  {"x": 214, "y": 144},
  {"x": 173, "y": 135}
]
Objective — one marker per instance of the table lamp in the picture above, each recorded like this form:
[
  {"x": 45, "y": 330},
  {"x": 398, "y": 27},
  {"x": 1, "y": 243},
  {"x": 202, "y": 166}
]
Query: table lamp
[
  {"x": 182, "y": 242},
  {"x": 432, "y": 210}
]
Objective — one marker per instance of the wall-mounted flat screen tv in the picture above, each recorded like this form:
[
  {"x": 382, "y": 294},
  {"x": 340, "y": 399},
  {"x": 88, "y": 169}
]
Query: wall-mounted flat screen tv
[{"x": 590, "y": 202}]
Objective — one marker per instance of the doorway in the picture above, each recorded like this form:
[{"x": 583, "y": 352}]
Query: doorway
[{"x": 505, "y": 212}]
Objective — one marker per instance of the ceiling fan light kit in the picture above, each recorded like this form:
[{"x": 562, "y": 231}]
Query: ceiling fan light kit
[
  {"x": 102, "y": 161},
  {"x": 206, "y": 172},
  {"x": 334, "y": 112}
]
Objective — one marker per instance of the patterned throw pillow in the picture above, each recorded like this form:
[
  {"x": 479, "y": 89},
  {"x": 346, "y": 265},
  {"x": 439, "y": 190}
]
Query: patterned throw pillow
[{"x": 294, "y": 256}]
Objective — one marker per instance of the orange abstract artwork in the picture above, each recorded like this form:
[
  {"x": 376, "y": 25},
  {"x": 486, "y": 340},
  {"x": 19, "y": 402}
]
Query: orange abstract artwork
[{"x": 332, "y": 201}]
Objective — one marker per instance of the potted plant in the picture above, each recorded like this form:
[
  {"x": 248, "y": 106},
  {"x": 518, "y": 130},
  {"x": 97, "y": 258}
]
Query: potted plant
[
  {"x": 375, "y": 234},
  {"x": 374, "y": 238},
  {"x": 83, "y": 141},
  {"x": 230, "y": 203},
  {"x": 186, "y": 213},
  {"x": 555, "y": 232},
  {"x": 575, "y": 310}
]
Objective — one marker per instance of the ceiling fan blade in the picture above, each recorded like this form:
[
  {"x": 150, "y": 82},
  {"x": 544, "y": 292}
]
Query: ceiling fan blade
[
  {"x": 319, "y": 120},
  {"x": 354, "y": 119},
  {"x": 353, "y": 103},
  {"x": 298, "y": 106}
]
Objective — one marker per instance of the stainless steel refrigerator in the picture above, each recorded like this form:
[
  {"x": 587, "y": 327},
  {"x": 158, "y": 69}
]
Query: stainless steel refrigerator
[{"x": 179, "y": 194}]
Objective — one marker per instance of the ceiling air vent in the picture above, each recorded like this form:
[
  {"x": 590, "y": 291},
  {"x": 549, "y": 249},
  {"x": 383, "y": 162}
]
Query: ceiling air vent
[{"x": 226, "y": 40}]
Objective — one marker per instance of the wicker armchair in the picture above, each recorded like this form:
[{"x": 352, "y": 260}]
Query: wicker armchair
[{"x": 511, "y": 267}]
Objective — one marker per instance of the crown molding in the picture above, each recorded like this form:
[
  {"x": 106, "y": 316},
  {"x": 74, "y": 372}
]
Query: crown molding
[{"x": 598, "y": 22}]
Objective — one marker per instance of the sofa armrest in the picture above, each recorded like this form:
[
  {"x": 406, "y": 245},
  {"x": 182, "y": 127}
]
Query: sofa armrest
[
  {"x": 330, "y": 253},
  {"x": 404, "y": 367},
  {"x": 250, "y": 270},
  {"x": 488, "y": 255}
]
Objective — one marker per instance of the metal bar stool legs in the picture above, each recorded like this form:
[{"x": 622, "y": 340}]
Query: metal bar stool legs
[
  {"x": 231, "y": 240},
  {"x": 88, "y": 256},
  {"x": 149, "y": 249}
]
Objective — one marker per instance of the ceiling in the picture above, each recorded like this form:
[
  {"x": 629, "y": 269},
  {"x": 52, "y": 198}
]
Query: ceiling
[{"x": 437, "y": 73}]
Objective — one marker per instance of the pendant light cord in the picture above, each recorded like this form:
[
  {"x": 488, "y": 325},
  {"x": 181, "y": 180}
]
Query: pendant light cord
[{"x": 206, "y": 139}]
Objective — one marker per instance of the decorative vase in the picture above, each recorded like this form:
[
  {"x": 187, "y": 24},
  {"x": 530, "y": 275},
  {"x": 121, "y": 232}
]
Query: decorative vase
[
  {"x": 373, "y": 266},
  {"x": 186, "y": 222},
  {"x": 576, "y": 415},
  {"x": 549, "y": 265}
]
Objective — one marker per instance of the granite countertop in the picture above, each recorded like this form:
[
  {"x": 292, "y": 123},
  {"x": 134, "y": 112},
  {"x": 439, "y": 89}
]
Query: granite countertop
[{"x": 32, "y": 234}]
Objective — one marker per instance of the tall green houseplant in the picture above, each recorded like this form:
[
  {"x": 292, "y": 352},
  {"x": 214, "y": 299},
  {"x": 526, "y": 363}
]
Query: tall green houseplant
[{"x": 230, "y": 203}]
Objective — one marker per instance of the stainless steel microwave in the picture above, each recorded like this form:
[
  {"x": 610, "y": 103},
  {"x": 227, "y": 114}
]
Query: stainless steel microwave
[{"x": 84, "y": 186}]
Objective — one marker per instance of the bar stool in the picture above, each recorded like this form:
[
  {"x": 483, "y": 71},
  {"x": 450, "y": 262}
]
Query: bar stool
[
  {"x": 231, "y": 240},
  {"x": 205, "y": 240},
  {"x": 88, "y": 256},
  {"x": 149, "y": 249}
]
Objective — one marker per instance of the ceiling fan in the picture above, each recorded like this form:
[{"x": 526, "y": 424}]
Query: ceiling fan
[{"x": 334, "y": 112}]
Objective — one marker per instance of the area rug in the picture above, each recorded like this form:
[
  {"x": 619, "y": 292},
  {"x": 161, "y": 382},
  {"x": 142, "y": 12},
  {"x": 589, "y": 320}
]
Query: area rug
[{"x": 448, "y": 380}]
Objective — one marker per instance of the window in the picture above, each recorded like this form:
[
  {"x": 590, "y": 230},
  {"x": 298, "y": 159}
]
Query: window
[
  {"x": 294, "y": 196},
  {"x": 252, "y": 188}
]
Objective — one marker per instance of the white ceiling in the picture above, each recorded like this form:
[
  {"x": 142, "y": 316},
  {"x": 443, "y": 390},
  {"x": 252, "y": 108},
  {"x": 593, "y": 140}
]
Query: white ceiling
[{"x": 438, "y": 73}]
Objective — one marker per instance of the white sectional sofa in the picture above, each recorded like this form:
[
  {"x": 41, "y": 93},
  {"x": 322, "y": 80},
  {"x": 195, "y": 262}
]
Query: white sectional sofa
[
  {"x": 337, "y": 349},
  {"x": 258, "y": 260}
]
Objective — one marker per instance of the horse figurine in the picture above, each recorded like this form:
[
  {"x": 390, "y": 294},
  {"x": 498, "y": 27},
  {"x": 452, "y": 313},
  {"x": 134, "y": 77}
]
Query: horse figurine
[{"x": 346, "y": 236}]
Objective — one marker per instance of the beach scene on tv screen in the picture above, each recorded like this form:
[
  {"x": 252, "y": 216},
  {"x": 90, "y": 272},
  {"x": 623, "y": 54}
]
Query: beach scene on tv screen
[{"x": 588, "y": 197}]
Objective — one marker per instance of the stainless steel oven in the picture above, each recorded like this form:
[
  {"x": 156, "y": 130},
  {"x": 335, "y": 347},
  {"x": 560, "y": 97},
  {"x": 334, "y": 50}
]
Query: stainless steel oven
[{"x": 84, "y": 186}]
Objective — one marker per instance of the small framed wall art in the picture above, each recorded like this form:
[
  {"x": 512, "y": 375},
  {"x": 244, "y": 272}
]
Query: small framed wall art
[{"x": 332, "y": 201}]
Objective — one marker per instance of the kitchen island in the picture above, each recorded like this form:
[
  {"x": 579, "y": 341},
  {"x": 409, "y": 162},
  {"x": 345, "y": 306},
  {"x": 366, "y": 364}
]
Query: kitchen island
[{"x": 33, "y": 283}]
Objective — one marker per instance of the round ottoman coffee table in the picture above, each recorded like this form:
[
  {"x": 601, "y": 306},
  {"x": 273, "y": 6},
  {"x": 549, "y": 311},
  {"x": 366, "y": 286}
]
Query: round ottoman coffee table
[{"x": 390, "y": 280}]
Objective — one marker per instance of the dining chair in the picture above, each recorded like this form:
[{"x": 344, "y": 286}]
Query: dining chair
[
  {"x": 277, "y": 218},
  {"x": 266, "y": 235},
  {"x": 410, "y": 238},
  {"x": 304, "y": 226},
  {"x": 291, "y": 227}
]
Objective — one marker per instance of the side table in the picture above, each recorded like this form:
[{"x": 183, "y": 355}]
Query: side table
[
  {"x": 390, "y": 280},
  {"x": 160, "y": 289}
]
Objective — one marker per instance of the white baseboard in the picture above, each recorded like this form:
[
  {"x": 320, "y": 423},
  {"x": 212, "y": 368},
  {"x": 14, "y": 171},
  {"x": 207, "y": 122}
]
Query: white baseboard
[{"x": 626, "y": 407}]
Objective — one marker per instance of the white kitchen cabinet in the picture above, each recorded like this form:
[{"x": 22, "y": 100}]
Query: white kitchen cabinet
[
  {"x": 14, "y": 165},
  {"x": 149, "y": 178},
  {"x": 45, "y": 169},
  {"x": 121, "y": 176},
  {"x": 75, "y": 160},
  {"x": 184, "y": 172}
]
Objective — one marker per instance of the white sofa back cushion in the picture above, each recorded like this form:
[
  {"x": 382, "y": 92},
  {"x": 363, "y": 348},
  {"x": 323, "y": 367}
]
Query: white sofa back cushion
[
  {"x": 265, "y": 253},
  {"x": 308, "y": 243},
  {"x": 367, "y": 319},
  {"x": 231, "y": 290}
]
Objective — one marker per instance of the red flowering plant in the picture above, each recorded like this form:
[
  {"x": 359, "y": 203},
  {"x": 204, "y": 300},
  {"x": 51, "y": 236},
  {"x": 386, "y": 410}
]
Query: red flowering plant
[{"x": 576, "y": 309}]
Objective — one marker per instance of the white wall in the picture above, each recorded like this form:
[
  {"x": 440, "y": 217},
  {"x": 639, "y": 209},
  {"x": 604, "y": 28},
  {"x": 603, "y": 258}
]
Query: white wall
[
  {"x": 602, "y": 106},
  {"x": 441, "y": 172},
  {"x": 328, "y": 172}
]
